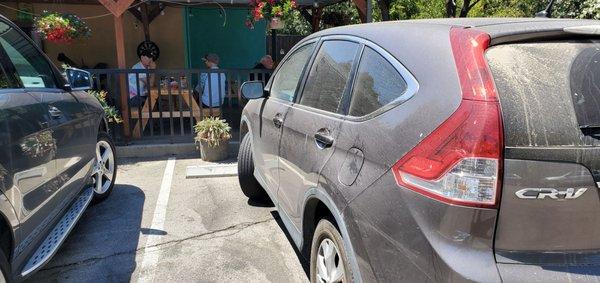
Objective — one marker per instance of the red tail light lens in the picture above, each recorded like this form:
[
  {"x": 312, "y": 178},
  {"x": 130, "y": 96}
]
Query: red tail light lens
[{"x": 459, "y": 162}]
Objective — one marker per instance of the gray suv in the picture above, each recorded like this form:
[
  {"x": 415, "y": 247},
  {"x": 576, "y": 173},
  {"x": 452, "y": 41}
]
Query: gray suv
[
  {"x": 434, "y": 150},
  {"x": 56, "y": 156}
]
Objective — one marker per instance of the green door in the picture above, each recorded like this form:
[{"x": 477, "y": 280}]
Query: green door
[{"x": 212, "y": 30}]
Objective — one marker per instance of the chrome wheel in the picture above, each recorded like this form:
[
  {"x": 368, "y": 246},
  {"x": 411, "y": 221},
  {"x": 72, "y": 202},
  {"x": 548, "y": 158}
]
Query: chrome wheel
[
  {"x": 104, "y": 168},
  {"x": 330, "y": 266}
]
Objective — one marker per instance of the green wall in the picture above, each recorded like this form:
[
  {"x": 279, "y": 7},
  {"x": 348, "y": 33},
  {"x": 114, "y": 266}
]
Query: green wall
[{"x": 209, "y": 30}]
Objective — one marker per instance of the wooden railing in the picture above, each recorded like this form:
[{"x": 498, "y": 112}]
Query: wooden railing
[{"x": 173, "y": 100}]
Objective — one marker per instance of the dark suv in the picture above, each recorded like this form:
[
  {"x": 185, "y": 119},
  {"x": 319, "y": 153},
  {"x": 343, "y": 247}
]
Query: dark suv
[
  {"x": 434, "y": 150},
  {"x": 56, "y": 156}
]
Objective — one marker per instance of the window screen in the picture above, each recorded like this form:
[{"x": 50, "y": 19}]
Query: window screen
[{"x": 329, "y": 74}]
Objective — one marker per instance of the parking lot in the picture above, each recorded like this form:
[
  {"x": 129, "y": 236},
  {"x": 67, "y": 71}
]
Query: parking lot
[{"x": 159, "y": 226}]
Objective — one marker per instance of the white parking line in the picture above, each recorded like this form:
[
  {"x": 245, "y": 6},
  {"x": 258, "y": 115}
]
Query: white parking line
[{"x": 152, "y": 253}]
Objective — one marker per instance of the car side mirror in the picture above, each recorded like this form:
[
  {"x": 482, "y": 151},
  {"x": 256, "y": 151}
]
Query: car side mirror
[
  {"x": 79, "y": 79},
  {"x": 253, "y": 90}
]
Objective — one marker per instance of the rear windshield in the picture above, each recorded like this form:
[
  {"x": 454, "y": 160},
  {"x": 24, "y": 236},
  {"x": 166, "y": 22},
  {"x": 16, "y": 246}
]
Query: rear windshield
[
  {"x": 549, "y": 91},
  {"x": 585, "y": 85}
]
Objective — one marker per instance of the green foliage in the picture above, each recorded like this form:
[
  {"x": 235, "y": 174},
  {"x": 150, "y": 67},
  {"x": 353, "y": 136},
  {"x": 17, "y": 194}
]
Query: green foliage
[
  {"x": 339, "y": 14},
  {"x": 111, "y": 113},
  {"x": 212, "y": 130},
  {"x": 582, "y": 9},
  {"x": 296, "y": 24},
  {"x": 422, "y": 9}
]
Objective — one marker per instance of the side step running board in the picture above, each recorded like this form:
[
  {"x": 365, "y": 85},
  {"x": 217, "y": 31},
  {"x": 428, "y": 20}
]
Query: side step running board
[{"x": 58, "y": 234}]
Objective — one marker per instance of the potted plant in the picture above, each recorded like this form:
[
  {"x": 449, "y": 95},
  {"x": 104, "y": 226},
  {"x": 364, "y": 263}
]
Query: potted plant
[
  {"x": 274, "y": 11},
  {"x": 212, "y": 136},
  {"x": 61, "y": 28}
]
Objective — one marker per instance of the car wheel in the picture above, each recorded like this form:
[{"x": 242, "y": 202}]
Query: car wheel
[
  {"x": 250, "y": 186},
  {"x": 105, "y": 168},
  {"x": 328, "y": 260}
]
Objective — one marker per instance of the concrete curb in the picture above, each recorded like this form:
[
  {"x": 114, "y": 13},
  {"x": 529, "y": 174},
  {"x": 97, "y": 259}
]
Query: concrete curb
[
  {"x": 167, "y": 149},
  {"x": 209, "y": 171}
]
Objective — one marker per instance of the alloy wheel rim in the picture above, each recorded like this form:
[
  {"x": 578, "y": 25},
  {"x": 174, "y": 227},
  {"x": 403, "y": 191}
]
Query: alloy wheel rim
[
  {"x": 330, "y": 266},
  {"x": 104, "y": 168}
]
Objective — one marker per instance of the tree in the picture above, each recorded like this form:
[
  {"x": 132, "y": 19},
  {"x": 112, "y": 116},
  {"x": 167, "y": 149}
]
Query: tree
[
  {"x": 466, "y": 6},
  {"x": 384, "y": 8},
  {"x": 581, "y": 9}
]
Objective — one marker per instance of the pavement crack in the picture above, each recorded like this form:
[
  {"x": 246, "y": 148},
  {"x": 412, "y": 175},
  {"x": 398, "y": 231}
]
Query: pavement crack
[{"x": 211, "y": 235}]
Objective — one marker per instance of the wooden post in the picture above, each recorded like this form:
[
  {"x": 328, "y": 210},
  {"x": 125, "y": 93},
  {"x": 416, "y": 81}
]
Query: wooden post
[
  {"x": 121, "y": 64},
  {"x": 274, "y": 44},
  {"x": 361, "y": 6},
  {"x": 146, "y": 22},
  {"x": 317, "y": 12},
  {"x": 117, "y": 8}
]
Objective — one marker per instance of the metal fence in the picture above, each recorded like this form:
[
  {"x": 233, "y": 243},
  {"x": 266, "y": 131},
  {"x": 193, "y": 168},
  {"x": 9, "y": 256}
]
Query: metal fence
[{"x": 171, "y": 101}]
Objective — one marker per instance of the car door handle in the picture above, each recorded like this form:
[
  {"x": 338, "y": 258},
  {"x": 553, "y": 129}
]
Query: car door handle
[
  {"x": 278, "y": 120},
  {"x": 54, "y": 112},
  {"x": 323, "y": 139}
]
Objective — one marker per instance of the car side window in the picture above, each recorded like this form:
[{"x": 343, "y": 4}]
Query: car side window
[
  {"x": 286, "y": 80},
  {"x": 377, "y": 83},
  {"x": 329, "y": 75},
  {"x": 31, "y": 66},
  {"x": 4, "y": 81}
]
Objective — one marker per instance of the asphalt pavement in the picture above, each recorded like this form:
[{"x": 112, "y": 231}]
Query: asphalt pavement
[{"x": 158, "y": 226}]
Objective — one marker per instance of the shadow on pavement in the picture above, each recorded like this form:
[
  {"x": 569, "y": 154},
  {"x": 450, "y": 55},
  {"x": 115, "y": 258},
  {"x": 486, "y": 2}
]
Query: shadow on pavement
[
  {"x": 102, "y": 246},
  {"x": 305, "y": 263}
]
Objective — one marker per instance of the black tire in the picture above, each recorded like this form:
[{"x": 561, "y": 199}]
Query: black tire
[
  {"x": 4, "y": 269},
  {"x": 99, "y": 197},
  {"x": 327, "y": 230},
  {"x": 250, "y": 186}
]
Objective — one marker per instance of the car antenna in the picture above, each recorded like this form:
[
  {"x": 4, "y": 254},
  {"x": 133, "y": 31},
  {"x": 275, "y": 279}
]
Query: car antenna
[{"x": 546, "y": 13}]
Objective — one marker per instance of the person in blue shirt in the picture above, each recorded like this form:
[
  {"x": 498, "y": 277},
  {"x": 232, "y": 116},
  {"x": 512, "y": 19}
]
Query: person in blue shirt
[{"x": 212, "y": 85}]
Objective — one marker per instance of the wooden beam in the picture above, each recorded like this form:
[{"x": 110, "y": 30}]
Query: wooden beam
[
  {"x": 145, "y": 22},
  {"x": 121, "y": 64},
  {"x": 361, "y": 5},
  {"x": 154, "y": 11},
  {"x": 116, "y": 8},
  {"x": 317, "y": 12}
]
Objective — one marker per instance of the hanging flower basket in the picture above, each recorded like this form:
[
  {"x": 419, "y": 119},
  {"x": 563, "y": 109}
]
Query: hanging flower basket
[
  {"x": 61, "y": 28},
  {"x": 274, "y": 11}
]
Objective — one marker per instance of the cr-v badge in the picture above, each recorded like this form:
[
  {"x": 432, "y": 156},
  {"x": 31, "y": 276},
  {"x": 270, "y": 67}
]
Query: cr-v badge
[{"x": 542, "y": 193}]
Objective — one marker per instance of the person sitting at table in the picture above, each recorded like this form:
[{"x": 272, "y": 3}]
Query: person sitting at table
[
  {"x": 137, "y": 99},
  {"x": 266, "y": 63},
  {"x": 213, "y": 91}
]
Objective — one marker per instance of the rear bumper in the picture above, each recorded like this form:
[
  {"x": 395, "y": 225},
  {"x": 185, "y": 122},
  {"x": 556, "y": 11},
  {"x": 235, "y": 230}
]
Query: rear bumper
[
  {"x": 548, "y": 273},
  {"x": 401, "y": 236}
]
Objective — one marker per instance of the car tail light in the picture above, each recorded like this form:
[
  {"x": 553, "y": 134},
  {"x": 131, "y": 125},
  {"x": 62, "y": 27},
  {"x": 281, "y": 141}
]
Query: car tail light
[{"x": 460, "y": 161}]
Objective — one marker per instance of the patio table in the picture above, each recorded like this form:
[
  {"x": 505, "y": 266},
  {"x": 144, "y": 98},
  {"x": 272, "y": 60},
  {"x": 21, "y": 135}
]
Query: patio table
[{"x": 149, "y": 110}]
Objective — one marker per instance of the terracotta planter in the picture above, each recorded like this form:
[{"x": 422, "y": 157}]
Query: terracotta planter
[
  {"x": 214, "y": 153},
  {"x": 276, "y": 23}
]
